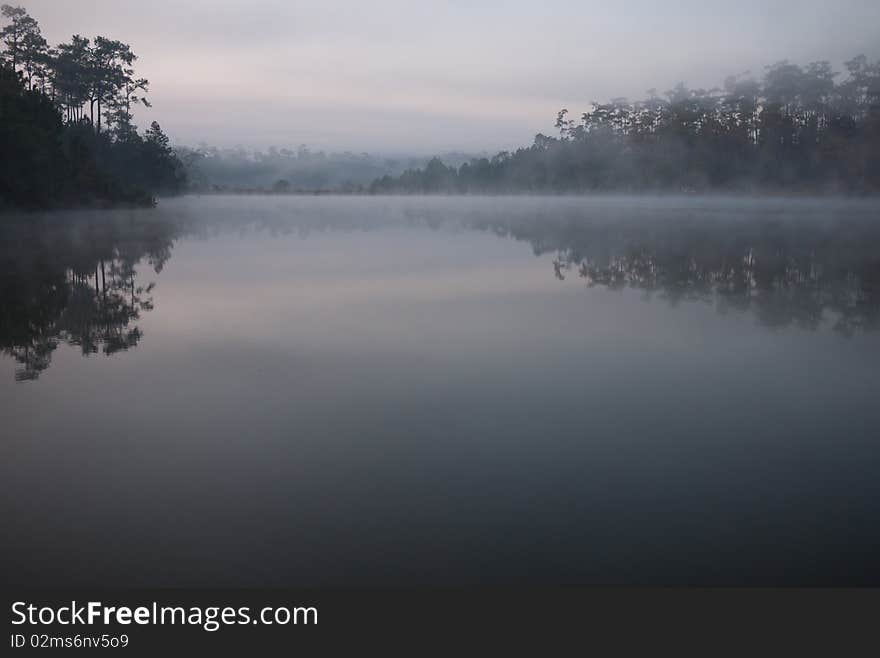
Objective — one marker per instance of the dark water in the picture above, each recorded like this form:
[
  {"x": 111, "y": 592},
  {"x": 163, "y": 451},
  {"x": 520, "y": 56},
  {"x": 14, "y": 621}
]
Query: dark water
[{"x": 313, "y": 391}]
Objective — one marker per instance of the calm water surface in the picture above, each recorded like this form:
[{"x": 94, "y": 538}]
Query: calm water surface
[{"x": 359, "y": 391}]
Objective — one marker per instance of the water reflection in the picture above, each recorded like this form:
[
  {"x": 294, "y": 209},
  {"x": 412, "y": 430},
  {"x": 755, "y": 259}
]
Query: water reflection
[
  {"x": 400, "y": 391},
  {"x": 74, "y": 279},
  {"x": 801, "y": 271}
]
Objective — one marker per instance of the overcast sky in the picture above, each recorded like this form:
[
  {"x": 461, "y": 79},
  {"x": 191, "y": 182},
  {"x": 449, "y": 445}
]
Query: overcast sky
[{"x": 408, "y": 76}]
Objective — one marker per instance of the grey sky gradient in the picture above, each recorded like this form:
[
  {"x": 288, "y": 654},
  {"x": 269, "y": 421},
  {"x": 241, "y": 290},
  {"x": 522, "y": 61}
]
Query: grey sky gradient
[{"x": 397, "y": 76}]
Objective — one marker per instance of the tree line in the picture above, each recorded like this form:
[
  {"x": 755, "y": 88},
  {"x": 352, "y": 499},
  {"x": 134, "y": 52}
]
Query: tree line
[
  {"x": 797, "y": 129},
  {"x": 66, "y": 120},
  {"x": 292, "y": 171}
]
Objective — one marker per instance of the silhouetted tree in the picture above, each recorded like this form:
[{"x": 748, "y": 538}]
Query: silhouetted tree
[{"x": 54, "y": 107}]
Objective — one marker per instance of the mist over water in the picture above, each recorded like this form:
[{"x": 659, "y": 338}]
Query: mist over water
[{"x": 349, "y": 390}]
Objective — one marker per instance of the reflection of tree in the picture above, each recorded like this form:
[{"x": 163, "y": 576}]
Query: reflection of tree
[
  {"x": 76, "y": 283},
  {"x": 791, "y": 263},
  {"x": 788, "y": 270},
  {"x": 75, "y": 280}
]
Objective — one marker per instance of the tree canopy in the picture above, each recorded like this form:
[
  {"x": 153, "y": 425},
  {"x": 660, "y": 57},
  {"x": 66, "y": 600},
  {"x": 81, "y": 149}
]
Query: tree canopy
[
  {"x": 66, "y": 116},
  {"x": 795, "y": 130}
]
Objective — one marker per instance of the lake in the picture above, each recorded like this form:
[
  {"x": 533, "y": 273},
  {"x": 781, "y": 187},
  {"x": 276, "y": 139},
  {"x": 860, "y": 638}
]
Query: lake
[{"x": 313, "y": 391}]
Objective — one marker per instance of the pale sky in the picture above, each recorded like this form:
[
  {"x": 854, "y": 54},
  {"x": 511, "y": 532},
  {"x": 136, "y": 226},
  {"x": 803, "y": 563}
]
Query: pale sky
[{"x": 397, "y": 76}]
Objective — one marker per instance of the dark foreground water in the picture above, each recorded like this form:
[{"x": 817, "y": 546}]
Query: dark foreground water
[{"x": 348, "y": 391}]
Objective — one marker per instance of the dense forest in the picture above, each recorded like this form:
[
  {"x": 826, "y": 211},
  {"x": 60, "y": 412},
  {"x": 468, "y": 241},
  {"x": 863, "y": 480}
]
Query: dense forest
[
  {"x": 797, "y": 130},
  {"x": 66, "y": 123}
]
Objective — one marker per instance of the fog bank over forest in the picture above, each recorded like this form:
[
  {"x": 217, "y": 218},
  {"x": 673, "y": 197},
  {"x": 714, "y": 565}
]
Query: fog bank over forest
[
  {"x": 392, "y": 77},
  {"x": 803, "y": 129},
  {"x": 793, "y": 124},
  {"x": 301, "y": 169}
]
